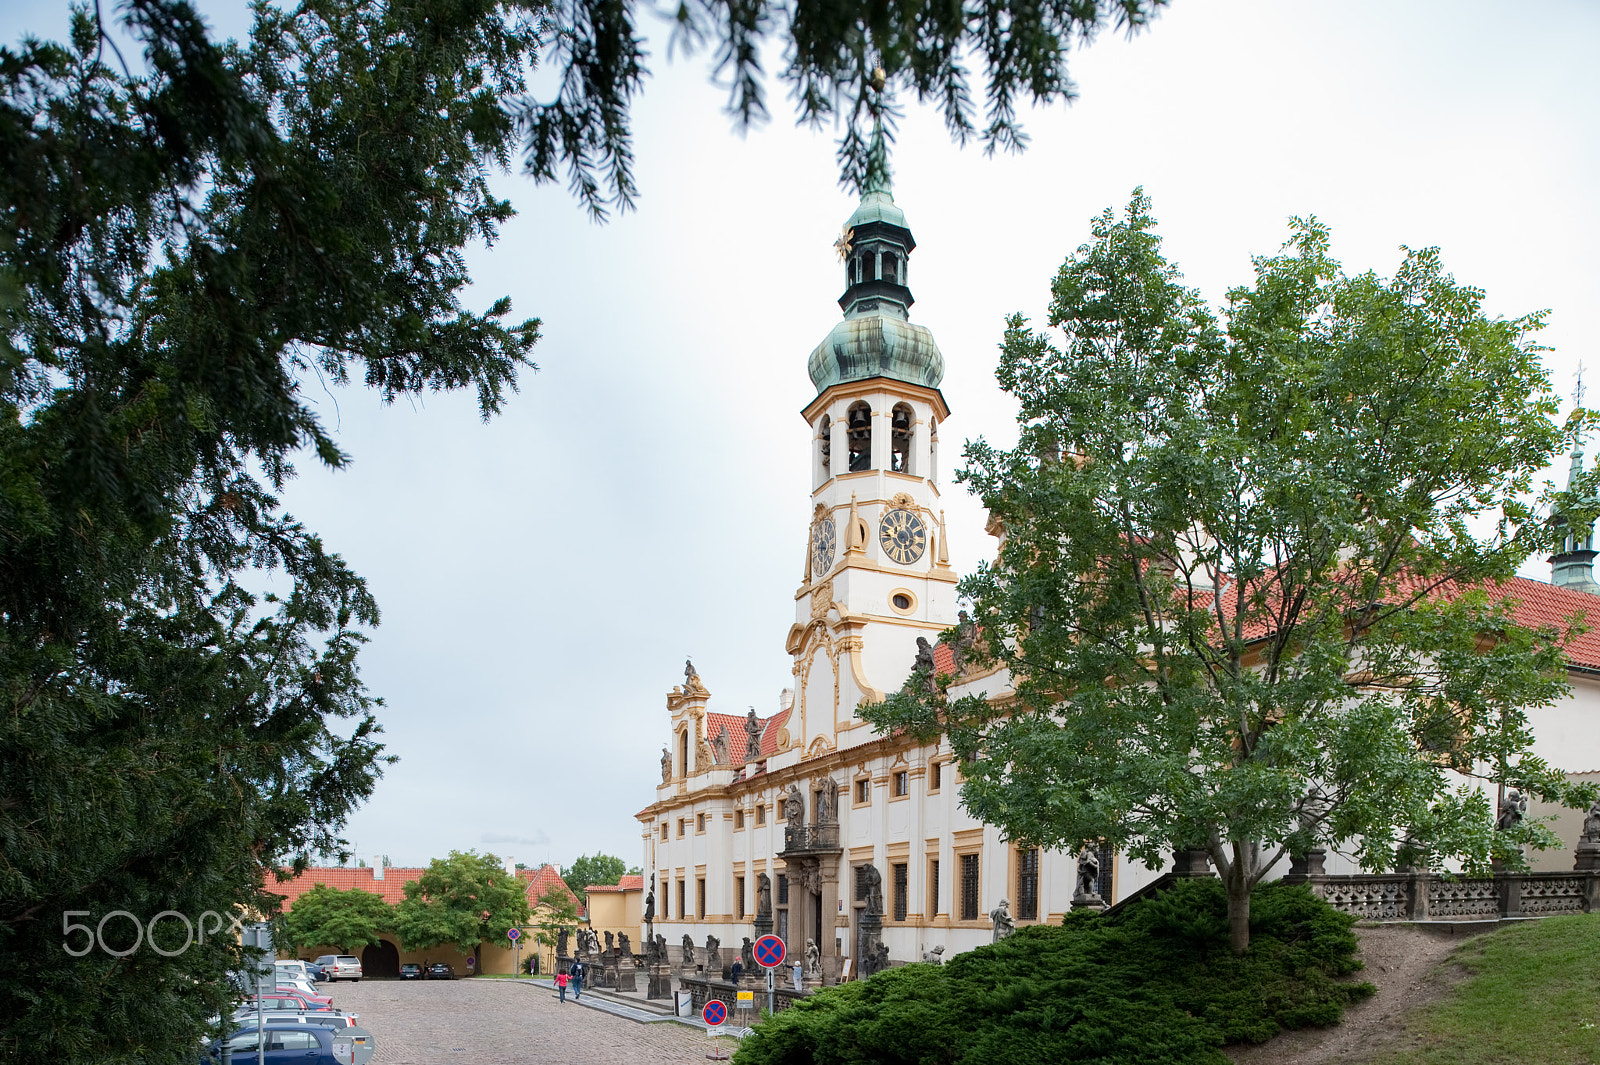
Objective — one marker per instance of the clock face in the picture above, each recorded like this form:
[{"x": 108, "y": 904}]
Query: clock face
[
  {"x": 903, "y": 535},
  {"x": 822, "y": 541}
]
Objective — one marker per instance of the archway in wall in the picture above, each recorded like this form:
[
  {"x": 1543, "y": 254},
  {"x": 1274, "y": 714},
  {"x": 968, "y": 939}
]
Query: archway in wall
[{"x": 380, "y": 960}]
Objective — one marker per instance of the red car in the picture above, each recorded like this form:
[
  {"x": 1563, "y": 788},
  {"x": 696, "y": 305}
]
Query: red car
[{"x": 286, "y": 999}]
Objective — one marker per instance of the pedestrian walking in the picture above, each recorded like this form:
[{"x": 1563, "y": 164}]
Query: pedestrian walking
[
  {"x": 577, "y": 971},
  {"x": 561, "y": 985}
]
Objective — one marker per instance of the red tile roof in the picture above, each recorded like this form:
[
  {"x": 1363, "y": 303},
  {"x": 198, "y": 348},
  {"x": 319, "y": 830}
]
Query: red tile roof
[
  {"x": 392, "y": 887},
  {"x": 734, "y": 724},
  {"x": 1541, "y": 605},
  {"x": 627, "y": 883},
  {"x": 944, "y": 658}
]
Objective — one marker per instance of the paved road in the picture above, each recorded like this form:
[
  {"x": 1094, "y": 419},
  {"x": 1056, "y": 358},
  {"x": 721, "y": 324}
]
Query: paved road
[{"x": 504, "y": 1022}]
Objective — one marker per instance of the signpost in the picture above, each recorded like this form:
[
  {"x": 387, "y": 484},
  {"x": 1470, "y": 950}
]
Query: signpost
[
  {"x": 714, "y": 1013},
  {"x": 769, "y": 952},
  {"x": 515, "y": 935}
]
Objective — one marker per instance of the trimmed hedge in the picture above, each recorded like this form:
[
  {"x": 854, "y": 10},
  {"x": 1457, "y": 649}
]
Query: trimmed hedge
[{"x": 1154, "y": 984}]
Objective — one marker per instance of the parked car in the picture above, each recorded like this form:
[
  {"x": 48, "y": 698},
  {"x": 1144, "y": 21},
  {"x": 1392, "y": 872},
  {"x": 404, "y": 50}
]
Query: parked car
[
  {"x": 245, "y": 1017},
  {"x": 304, "y": 990},
  {"x": 441, "y": 970},
  {"x": 285, "y": 1042},
  {"x": 310, "y": 970},
  {"x": 340, "y": 967},
  {"x": 411, "y": 971},
  {"x": 288, "y": 1000}
]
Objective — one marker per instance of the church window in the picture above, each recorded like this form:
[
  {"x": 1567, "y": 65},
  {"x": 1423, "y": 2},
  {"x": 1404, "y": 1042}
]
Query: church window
[
  {"x": 891, "y": 269},
  {"x": 663, "y": 830},
  {"x": 935, "y": 771},
  {"x": 783, "y": 890},
  {"x": 859, "y": 420},
  {"x": 761, "y": 814},
  {"x": 699, "y": 822},
  {"x": 861, "y": 885},
  {"x": 1028, "y": 884},
  {"x": 902, "y": 784},
  {"x": 666, "y": 896},
  {"x": 738, "y": 895},
  {"x": 681, "y": 822},
  {"x": 683, "y": 908},
  {"x": 825, "y": 445},
  {"x": 700, "y": 899},
  {"x": 933, "y": 886},
  {"x": 902, "y": 887},
  {"x": 738, "y": 818},
  {"x": 683, "y": 754},
  {"x": 901, "y": 601},
  {"x": 933, "y": 450},
  {"x": 863, "y": 791},
  {"x": 900, "y": 439},
  {"x": 969, "y": 887}
]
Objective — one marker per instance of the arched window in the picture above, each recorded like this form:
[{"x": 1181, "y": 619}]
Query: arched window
[
  {"x": 891, "y": 268},
  {"x": 825, "y": 445},
  {"x": 683, "y": 752},
  {"x": 900, "y": 439},
  {"x": 933, "y": 450},
  {"x": 859, "y": 420}
]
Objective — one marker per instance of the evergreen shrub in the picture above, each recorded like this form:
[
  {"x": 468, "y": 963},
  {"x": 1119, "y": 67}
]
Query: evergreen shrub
[{"x": 1154, "y": 984}]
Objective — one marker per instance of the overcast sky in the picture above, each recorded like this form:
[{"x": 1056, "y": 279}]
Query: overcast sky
[{"x": 645, "y": 497}]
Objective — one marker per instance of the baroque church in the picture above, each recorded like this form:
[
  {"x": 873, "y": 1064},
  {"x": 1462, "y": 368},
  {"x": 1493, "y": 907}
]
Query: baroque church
[{"x": 858, "y": 838}]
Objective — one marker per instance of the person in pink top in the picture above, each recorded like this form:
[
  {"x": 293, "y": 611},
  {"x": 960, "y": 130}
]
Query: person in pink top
[{"x": 561, "y": 985}]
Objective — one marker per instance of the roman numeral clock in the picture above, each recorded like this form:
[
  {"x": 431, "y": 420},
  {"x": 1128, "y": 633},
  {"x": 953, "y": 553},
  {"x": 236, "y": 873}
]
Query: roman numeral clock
[{"x": 903, "y": 535}]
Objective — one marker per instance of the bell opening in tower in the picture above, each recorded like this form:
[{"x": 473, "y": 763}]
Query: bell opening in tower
[
  {"x": 825, "y": 445},
  {"x": 860, "y": 423},
  {"x": 900, "y": 439}
]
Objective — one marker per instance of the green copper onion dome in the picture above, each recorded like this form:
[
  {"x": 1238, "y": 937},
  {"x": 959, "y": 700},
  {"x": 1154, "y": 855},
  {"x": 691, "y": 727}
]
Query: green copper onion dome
[{"x": 876, "y": 339}]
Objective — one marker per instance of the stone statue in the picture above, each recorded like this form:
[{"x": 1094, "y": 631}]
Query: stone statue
[
  {"x": 752, "y": 736},
  {"x": 623, "y": 946},
  {"x": 1591, "y": 825},
  {"x": 561, "y": 943},
  {"x": 691, "y": 679},
  {"x": 874, "y": 958},
  {"x": 666, "y": 764},
  {"x": 747, "y": 955},
  {"x": 794, "y": 807},
  {"x": 764, "y": 896},
  {"x": 1000, "y": 916},
  {"x": 1088, "y": 872},
  {"x": 813, "y": 958},
  {"x": 659, "y": 950},
  {"x": 924, "y": 661},
  {"x": 713, "y": 954},
  {"x": 650, "y": 906},
  {"x": 688, "y": 950},
  {"x": 611, "y": 943},
  {"x": 827, "y": 802},
  {"x": 934, "y": 956},
  {"x": 1512, "y": 810},
  {"x": 719, "y": 748},
  {"x": 872, "y": 883},
  {"x": 966, "y": 636}
]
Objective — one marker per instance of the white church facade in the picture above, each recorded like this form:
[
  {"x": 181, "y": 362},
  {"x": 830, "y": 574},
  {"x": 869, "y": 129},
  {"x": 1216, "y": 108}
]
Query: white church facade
[{"x": 877, "y": 578}]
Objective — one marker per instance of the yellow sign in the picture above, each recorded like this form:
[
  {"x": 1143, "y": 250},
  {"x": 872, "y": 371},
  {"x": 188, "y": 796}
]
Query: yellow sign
[{"x": 747, "y": 998}]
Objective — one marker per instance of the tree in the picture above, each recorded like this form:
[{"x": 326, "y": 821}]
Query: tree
[
  {"x": 327, "y": 916},
  {"x": 184, "y": 242},
  {"x": 462, "y": 900},
  {"x": 1248, "y": 588},
  {"x": 599, "y": 869}
]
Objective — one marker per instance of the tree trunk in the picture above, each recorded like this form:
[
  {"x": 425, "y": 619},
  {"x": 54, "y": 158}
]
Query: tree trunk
[{"x": 1238, "y": 911}]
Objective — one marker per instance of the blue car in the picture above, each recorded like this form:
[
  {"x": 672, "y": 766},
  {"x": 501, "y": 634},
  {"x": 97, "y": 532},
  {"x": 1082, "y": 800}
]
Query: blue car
[{"x": 302, "y": 1044}]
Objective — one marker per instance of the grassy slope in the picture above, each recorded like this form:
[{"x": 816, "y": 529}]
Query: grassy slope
[{"x": 1533, "y": 996}]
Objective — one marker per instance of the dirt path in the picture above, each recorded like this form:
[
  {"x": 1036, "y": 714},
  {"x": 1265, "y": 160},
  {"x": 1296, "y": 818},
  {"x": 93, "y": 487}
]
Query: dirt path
[{"x": 1402, "y": 963}]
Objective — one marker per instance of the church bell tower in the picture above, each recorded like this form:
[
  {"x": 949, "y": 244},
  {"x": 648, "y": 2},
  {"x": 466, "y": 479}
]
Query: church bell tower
[{"x": 877, "y": 569}]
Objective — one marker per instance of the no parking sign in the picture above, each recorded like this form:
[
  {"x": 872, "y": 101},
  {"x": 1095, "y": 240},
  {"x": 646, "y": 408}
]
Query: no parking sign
[{"x": 714, "y": 1013}]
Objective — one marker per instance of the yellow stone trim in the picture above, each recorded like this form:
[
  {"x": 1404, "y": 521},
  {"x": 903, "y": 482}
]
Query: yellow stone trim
[
  {"x": 909, "y": 594},
  {"x": 967, "y": 837},
  {"x": 846, "y": 390},
  {"x": 898, "y": 850}
]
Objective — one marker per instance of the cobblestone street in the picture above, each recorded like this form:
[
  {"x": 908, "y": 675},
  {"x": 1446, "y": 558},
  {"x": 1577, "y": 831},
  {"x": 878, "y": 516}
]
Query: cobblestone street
[{"x": 506, "y": 1022}]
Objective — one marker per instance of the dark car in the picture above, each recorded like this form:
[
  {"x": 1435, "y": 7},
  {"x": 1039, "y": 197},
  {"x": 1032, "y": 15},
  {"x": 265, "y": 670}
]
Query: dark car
[
  {"x": 302, "y": 1044},
  {"x": 441, "y": 971},
  {"x": 411, "y": 971}
]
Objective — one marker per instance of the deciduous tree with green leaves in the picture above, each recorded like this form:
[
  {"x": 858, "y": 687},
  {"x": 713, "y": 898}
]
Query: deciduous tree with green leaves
[
  {"x": 598, "y": 869},
  {"x": 1247, "y": 590},
  {"x": 327, "y": 916},
  {"x": 465, "y": 900},
  {"x": 555, "y": 911}
]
